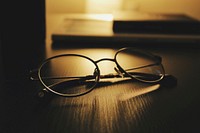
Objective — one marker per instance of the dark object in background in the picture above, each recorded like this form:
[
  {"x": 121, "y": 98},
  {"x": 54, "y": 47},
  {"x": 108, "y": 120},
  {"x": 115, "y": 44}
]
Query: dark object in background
[
  {"x": 156, "y": 23},
  {"x": 22, "y": 35}
]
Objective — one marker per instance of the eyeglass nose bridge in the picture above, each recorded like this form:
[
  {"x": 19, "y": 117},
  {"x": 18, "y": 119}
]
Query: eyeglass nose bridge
[
  {"x": 118, "y": 69},
  {"x": 105, "y": 59}
]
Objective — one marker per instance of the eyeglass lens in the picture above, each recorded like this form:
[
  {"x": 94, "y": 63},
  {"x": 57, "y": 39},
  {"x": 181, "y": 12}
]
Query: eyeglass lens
[
  {"x": 140, "y": 65},
  {"x": 66, "y": 75}
]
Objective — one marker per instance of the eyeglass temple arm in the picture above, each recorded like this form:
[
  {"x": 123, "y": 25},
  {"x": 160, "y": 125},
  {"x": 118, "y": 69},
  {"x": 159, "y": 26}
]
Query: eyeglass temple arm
[
  {"x": 88, "y": 77},
  {"x": 142, "y": 67}
]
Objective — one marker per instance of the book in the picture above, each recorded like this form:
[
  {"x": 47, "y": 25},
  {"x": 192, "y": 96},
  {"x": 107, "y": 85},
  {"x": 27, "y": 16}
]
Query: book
[
  {"x": 89, "y": 31},
  {"x": 159, "y": 23}
]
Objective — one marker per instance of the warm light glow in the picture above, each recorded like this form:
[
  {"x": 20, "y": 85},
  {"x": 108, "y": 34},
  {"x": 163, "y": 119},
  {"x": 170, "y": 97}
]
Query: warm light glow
[
  {"x": 103, "y": 6},
  {"x": 108, "y": 97},
  {"x": 108, "y": 6},
  {"x": 65, "y": 6},
  {"x": 142, "y": 91},
  {"x": 105, "y": 104},
  {"x": 105, "y": 67},
  {"x": 104, "y": 17}
]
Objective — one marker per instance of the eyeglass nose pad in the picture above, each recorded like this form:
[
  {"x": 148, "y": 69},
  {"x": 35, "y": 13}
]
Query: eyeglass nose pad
[{"x": 119, "y": 72}]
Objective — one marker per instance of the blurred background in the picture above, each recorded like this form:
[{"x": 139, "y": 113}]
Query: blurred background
[{"x": 190, "y": 7}]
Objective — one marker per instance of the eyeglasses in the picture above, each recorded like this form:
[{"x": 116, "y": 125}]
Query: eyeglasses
[{"x": 71, "y": 75}]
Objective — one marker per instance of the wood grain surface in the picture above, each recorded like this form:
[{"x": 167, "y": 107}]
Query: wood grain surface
[{"x": 114, "y": 106}]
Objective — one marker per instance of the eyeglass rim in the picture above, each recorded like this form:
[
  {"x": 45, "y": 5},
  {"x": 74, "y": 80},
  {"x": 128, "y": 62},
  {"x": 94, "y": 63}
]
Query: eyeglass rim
[
  {"x": 159, "y": 62},
  {"x": 69, "y": 95}
]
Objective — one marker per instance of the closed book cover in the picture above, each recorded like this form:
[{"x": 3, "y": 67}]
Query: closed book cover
[
  {"x": 86, "y": 30},
  {"x": 140, "y": 22}
]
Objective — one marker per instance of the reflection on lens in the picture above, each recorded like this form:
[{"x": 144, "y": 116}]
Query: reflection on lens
[
  {"x": 69, "y": 75},
  {"x": 140, "y": 65}
]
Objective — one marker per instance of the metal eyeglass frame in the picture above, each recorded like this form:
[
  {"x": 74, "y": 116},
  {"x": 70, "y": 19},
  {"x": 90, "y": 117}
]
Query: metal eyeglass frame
[{"x": 120, "y": 72}]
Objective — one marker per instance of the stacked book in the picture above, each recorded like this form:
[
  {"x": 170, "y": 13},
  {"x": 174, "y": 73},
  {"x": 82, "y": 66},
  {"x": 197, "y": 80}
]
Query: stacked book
[
  {"x": 138, "y": 22},
  {"x": 127, "y": 28}
]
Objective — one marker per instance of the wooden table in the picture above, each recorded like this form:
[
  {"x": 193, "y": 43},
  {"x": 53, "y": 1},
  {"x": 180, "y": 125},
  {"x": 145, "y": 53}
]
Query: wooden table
[
  {"x": 117, "y": 107},
  {"x": 114, "y": 108}
]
